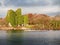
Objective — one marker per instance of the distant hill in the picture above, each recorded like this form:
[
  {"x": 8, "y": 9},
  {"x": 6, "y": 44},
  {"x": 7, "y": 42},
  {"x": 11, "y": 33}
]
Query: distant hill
[{"x": 35, "y": 18}]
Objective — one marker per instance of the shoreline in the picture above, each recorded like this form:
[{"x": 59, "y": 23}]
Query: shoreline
[
  {"x": 27, "y": 30},
  {"x": 31, "y": 30},
  {"x": 24, "y": 29}
]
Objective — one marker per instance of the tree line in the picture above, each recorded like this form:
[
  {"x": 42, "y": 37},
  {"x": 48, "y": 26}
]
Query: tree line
[
  {"x": 34, "y": 21},
  {"x": 16, "y": 18}
]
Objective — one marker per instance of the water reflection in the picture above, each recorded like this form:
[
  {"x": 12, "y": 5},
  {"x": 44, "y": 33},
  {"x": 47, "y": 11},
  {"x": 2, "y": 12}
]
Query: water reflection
[
  {"x": 13, "y": 37},
  {"x": 16, "y": 37}
]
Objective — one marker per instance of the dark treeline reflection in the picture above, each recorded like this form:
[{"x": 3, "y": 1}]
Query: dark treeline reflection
[{"x": 15, "y": 37}]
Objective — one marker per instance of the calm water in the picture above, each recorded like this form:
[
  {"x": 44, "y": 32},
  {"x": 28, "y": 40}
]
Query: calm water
[{"x": 30, "y": 38}]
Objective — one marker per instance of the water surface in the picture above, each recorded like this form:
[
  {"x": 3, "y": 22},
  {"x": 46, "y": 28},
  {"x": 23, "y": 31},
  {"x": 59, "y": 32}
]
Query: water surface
[{"x": 29, "y": 38}]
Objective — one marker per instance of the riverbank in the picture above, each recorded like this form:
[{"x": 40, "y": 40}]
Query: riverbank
[
  {"x": 23, "y": 29},
  {"x": 12, "y": 28}
]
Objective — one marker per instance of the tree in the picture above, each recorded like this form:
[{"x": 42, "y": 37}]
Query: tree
[
  {"x": 11, "y": 18},
  {"x": 19, "y": 17},
  {"x": 25, "y": 19}
]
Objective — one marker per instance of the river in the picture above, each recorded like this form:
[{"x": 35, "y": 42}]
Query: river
[{"x": 14, "y": 37}]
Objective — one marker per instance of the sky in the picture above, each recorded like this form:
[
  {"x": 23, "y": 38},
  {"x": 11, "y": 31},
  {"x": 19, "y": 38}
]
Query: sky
[{"x": 50, "y": 7}]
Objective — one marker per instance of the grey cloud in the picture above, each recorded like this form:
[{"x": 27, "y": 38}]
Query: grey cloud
[
  {"x": 0, "y": 4},
  {"x": 31, "y": 3},
  {"x": 56, "y": 2},
  {"x": 24, "y": 3}
]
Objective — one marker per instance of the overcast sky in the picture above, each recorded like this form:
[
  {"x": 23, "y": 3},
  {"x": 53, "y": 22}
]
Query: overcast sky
[{"x": 50, "y": 7}]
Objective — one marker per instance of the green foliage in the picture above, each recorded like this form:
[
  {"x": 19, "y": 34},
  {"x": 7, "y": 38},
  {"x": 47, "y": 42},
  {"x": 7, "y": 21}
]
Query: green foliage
[
  {"x": 55, "y": 24},
  {"x": 19, "y": 17},
  {"x": 15, "y": 18},
  {"x": 25, "y": 19},
  {"x": 18, "y": 11},
  {"x": 11, "y": 18}
]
